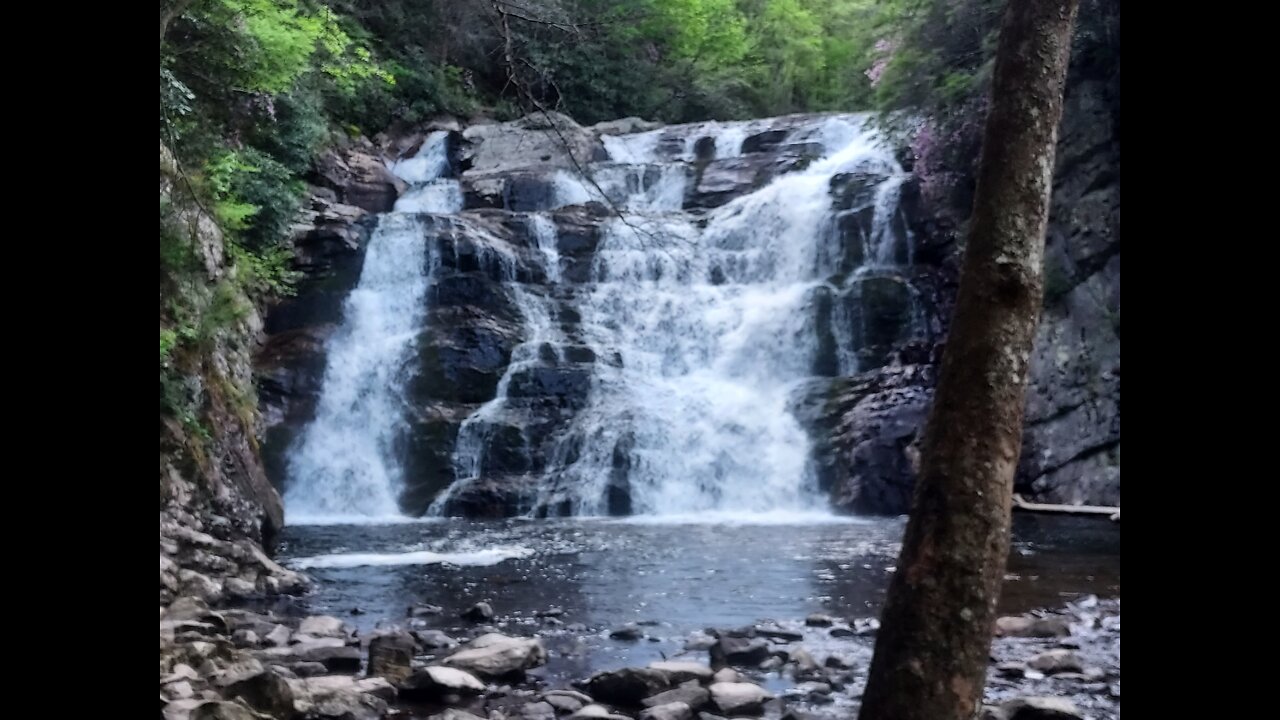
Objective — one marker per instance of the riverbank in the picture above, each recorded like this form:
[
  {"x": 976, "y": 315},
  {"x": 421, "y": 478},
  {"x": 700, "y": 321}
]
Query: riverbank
[{"x": 240, "y": 664}]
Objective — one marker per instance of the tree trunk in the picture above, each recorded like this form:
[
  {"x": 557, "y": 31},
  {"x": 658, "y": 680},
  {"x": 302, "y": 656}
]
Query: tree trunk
[{"x": 931, "y": 655}]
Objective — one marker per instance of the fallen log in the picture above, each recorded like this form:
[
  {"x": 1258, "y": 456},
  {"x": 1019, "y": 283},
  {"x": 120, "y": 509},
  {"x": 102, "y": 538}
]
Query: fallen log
[{"x": 1021, "y": 504}]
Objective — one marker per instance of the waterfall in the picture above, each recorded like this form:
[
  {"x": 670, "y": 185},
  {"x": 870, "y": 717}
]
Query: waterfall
[
  {"x": 714, "y": 328},
  {"x": 679, "y": 345},
  {"x": 344, "y": 467}
]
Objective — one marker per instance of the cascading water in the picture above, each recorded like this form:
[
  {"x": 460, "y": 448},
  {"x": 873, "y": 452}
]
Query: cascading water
[
  {"x": 344, "y": 467},
  {"x": 692, "y": 328},
  {"x": 715, "y": 328}
]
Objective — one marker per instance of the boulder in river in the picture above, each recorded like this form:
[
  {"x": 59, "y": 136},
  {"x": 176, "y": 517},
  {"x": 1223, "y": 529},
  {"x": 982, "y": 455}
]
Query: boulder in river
[
  {"x": 627, "y": 686},
  {"x": 495, "y": 655},
  {"x": 739, "y": 698}
]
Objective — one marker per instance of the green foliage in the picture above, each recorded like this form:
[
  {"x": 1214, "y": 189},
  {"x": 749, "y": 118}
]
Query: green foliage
[{"x": 168, "y": 341}]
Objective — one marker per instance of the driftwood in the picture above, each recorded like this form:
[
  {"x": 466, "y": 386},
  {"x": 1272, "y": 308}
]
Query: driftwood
[{"x": 1113, "y": 512}]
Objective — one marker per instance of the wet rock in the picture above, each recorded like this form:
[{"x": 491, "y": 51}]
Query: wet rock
[
  {"x": 181, "y": 671},
  {"x": 629, "y": 631},
  {"x": 267, "y": 692},
  {"x": 345, "y": 698},
  {"x": 866, "y": 626},
  {"x": 721, "y": 180},
  {"x": 668, "y": 711},
  {"x": 1023, "y": 626},
  {"x": 480, "y": 612},
  {"x": 691, "y": 694},
  {"x": 238, "y": 671},
  {"x": 566, "y": 701},
  {"x": 178, "y": 690},
  {"x": 332, "y": 652},
  {"x": 739, "y": 698},
  {"x": 549, "y": 140},
  {"x": 494, "y": 655},
  {"x": 819, "y": 620},
  {"x": 455, "y": 714},
  {"x": 278, "y": 636},
  {"x": 738, "y": 651},
  {"x": 201, "y": 586},
  {"x": 727, "y": 675},
  {"x": 424, "y": 610},
  {"x": 307, "y": 669},
  {"x": 624, "y": 126},
  {"x": 1034, "y": 708},
  {"x": 1052, "y": 662},
  {"x": 775, "y": 632},
  {"x": 680, "y": 672},
  {"x": 245, "y": 638},
  {"x": 433, "y": 639},
  {"x": 596, "y": 712},
  {"x": 537, "y": 711},
  {"x": 359, "y": 177},
  {"x": 628, "y": 686},
  {"x": 1011, "y": 669},
  {"x": 699, "y": 641},
  {"x": 764, "y": 141},
  {"x": 239, "y": 589},
  {"x": 805, "y": 664},
  {"x": 434, "y": 681},
  {"x": 771, "y": 663},
  {"x": 218, "y": 710},
  {"x": 391, "y": 656},
  {"x": 838, "y": 662}
]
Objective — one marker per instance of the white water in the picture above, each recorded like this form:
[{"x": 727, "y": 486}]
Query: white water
[
  {"x": 475, "y": 558},
  {"x": 715, "y": 329},
  {"x": 715, "y": 324},
  {"x": 344, "y": 468}
]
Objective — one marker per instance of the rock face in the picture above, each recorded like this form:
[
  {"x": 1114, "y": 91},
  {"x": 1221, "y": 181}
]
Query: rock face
[
  {"x": 218, "y": 508},
  {"x": 1071, "y": 442}
]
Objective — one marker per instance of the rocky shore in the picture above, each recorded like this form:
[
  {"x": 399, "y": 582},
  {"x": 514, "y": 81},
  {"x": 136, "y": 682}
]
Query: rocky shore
[{"x": 219, "y": 662}]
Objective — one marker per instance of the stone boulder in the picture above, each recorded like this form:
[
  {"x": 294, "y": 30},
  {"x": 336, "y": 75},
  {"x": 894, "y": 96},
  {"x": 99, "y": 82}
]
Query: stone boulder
[
  {"x": 739, "y": 698},
  {"x": 436, "y": 681},
  {"x": 497, "y": 656},
  {"x": 739, "y": 651},
  {"x": 627, "y": 686}
]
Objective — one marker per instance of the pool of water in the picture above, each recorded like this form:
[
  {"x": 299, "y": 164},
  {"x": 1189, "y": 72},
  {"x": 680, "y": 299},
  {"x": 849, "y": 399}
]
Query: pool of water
[{"x": 674, "y": 578}]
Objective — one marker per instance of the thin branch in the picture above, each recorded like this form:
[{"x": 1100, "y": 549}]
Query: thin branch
[{"x": 522, "y": 90}]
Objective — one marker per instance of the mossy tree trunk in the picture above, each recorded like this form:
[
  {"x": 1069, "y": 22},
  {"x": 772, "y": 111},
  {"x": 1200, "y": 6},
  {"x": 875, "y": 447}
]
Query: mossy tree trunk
[{"x": 931, "y": 655}]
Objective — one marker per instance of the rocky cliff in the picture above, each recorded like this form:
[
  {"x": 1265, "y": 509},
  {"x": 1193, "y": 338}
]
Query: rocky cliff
[
  {"x": 217, "y": 507},
  {"x": 1071, "y": 446}
]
